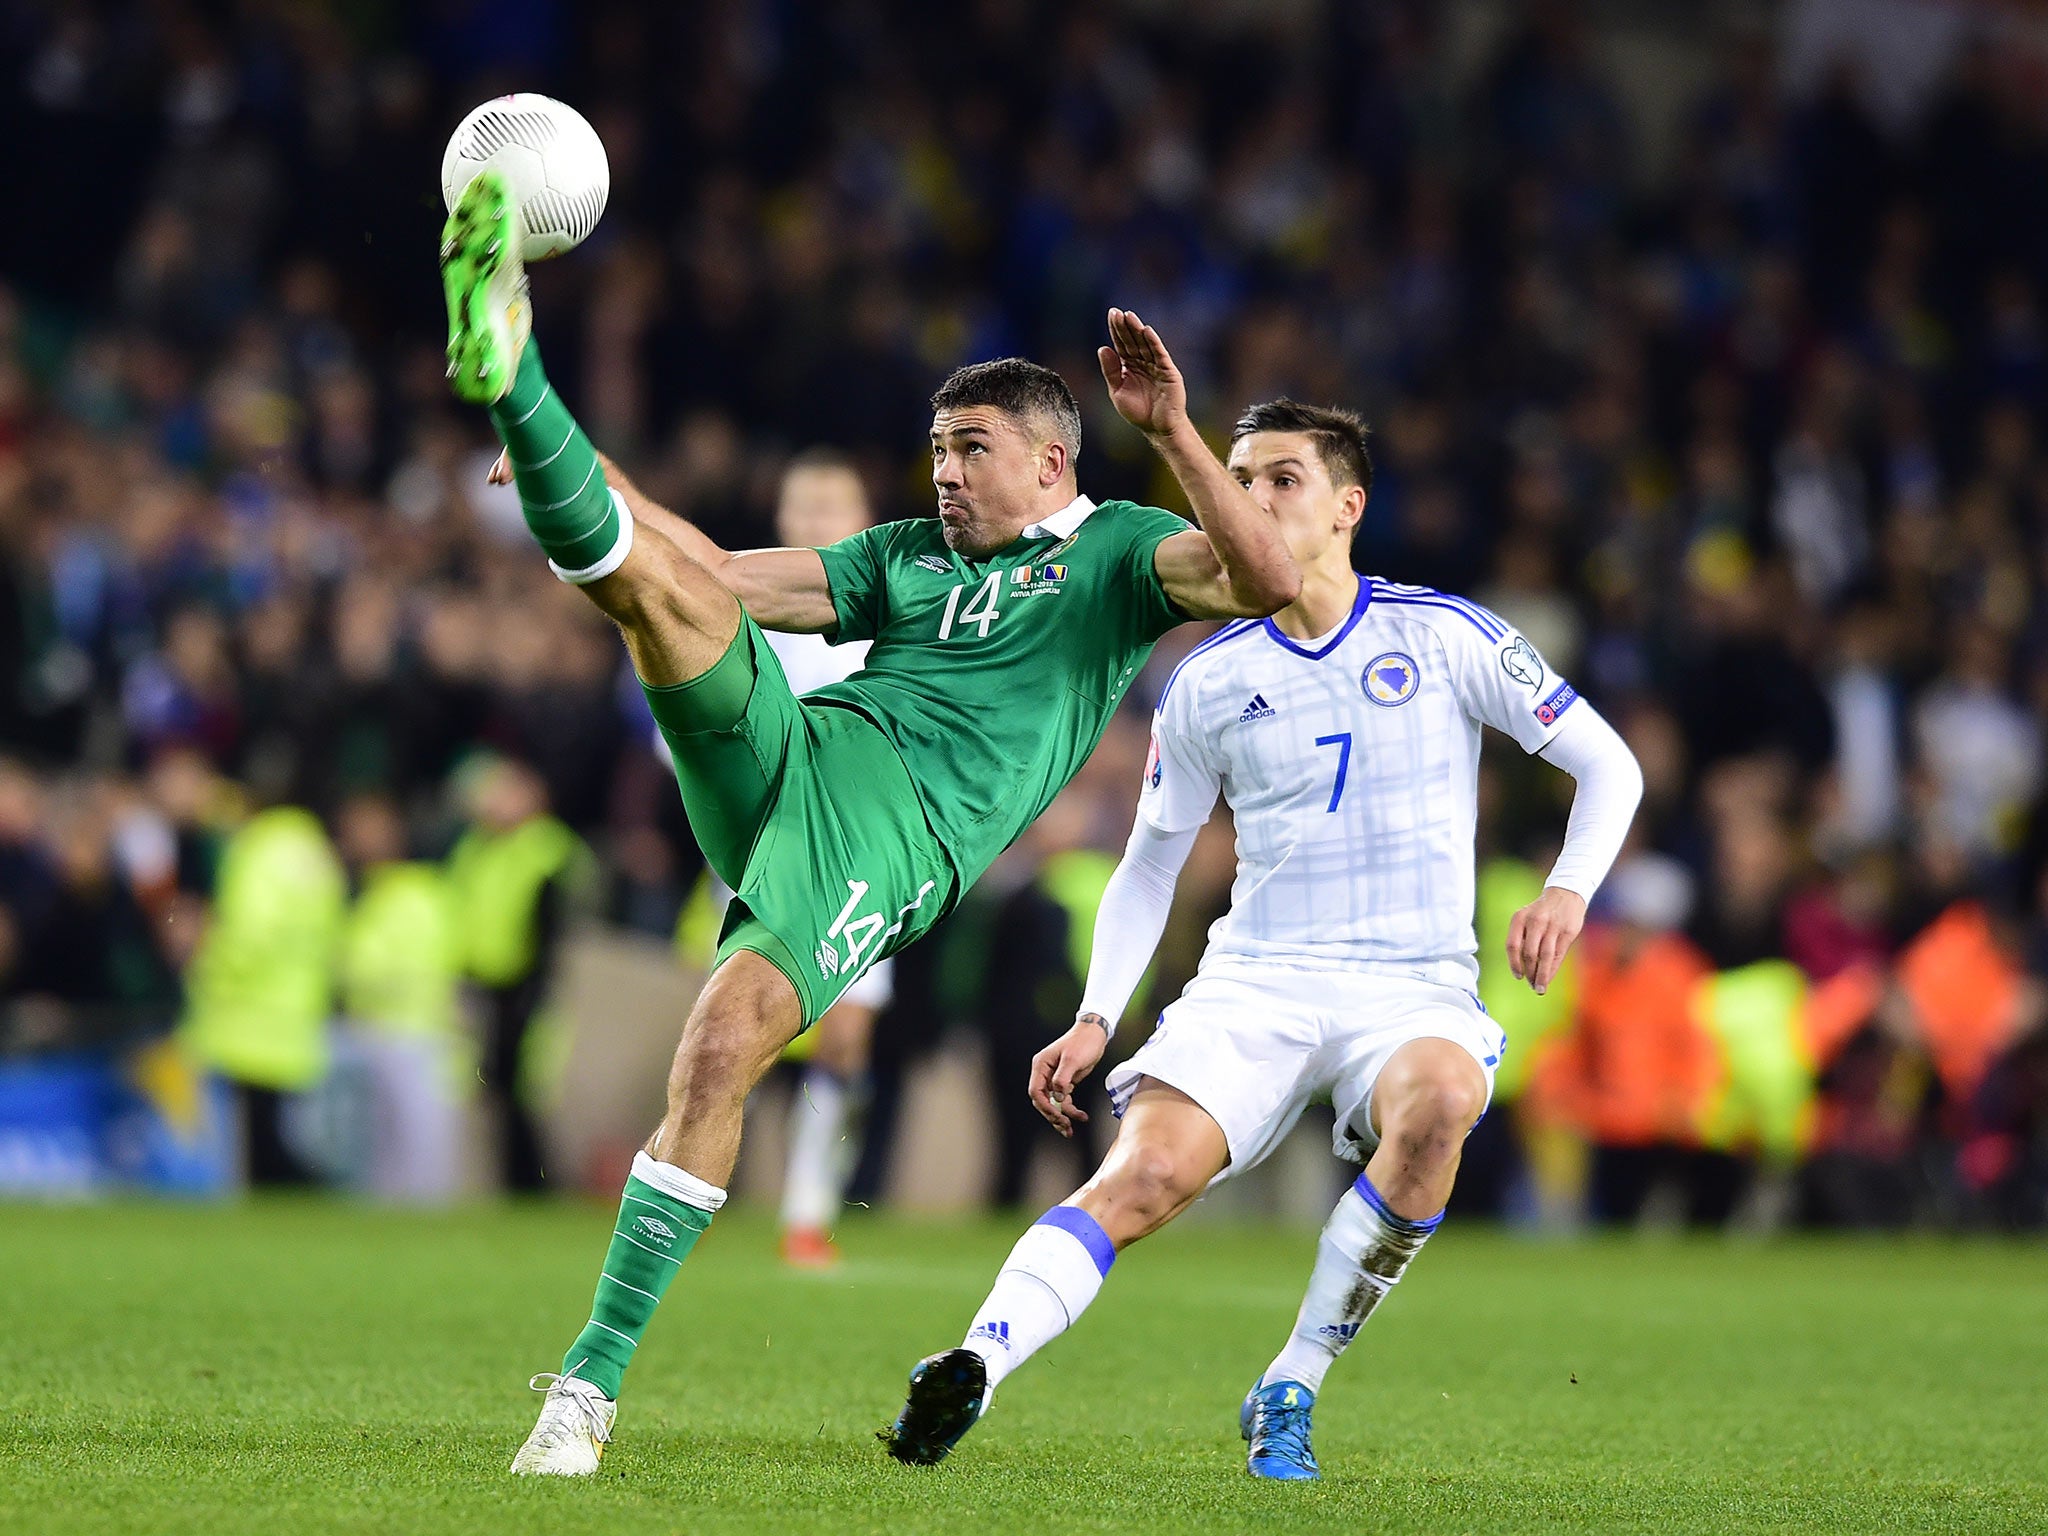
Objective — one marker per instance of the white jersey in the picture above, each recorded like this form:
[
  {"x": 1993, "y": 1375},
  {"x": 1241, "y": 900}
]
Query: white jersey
[
  {"x": 809, "y": 661},
  {"x": 1351, "y": 766}
]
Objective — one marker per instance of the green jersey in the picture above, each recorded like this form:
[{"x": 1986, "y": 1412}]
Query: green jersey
[{"x": 994, "y": 679}]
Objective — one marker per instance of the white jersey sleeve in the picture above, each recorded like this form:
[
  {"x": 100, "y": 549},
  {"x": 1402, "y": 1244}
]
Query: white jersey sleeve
[
  {"x": 1183, "y": 775},
  {"x": 1501, "y": 681}
]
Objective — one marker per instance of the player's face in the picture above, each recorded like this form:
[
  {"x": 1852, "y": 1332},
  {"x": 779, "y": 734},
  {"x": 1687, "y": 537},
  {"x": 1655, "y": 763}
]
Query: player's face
[
  {"x": 990, "y": 472},
  {"x": 820, "y": 506},
  {"x": 1287, "y": 478}
]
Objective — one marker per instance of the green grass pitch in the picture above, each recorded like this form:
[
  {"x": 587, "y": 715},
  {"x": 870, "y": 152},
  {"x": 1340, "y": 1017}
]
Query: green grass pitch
[{"x": 301, "y": 1367}]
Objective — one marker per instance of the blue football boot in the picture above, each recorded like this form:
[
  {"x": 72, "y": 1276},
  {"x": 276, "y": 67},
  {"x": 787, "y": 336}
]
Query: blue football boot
[
  {"x": 947, "y": 1393},
  {"x": 1274, "y": 1419}
]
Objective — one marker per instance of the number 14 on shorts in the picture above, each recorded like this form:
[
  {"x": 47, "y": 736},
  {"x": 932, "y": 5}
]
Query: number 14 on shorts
[{"x": 863, "y": 934}]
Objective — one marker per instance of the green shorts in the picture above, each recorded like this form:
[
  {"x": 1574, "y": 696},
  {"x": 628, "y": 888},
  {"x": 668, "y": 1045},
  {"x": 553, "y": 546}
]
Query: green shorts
[{"x": 808, "y": 813}]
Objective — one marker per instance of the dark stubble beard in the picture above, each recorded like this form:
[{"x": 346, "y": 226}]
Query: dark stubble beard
[{"x": 972, "y": 539}]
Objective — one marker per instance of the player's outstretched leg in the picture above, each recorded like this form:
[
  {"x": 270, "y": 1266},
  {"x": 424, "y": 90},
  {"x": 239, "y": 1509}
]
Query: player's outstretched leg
[
  {"x": 1428, "y": 1096},
  {"x": 493, "y": 362},
  {"x": 746, "y": 1014},
  {"x": 1166, "y": 1152}
]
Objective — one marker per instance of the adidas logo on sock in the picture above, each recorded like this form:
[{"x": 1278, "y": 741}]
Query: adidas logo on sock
[
  {"x": 1258, "y": 709},
  {"x": 995, "y": 1333},
  {"x": 1342, "y": 1333}
]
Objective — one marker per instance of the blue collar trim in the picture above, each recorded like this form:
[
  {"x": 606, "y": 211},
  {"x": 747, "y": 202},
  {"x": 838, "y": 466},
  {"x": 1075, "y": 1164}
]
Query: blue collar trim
[{"x": 1358, "y": 606}]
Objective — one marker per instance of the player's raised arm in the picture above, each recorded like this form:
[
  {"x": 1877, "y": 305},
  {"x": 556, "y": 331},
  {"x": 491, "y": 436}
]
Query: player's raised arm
[
  {"x": 782, "y": 589},
  {"x": 1237, "y": 566}
]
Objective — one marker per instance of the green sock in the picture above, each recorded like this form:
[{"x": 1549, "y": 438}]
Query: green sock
[
  {"x": 561, "y": 485},
  {"x": 654, "y": 1234}
]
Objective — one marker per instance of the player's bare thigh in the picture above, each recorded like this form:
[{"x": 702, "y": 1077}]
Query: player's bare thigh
[
  {"x": 677, "y": 617},
  {"x": 1167, "y": 1150}
]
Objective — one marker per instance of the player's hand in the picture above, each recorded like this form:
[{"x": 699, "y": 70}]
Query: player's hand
[
  {"x": 1065, "y": 1062},
  {"x": 1541, "y": 933},
  {"x": 501, "y": 469},
  {"x": 1144, "y": 385}
]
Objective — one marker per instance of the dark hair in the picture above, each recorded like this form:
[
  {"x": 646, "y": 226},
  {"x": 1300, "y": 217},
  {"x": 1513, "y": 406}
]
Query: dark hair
[
  {"x": 1016, "y": 387},
  {"x": 1339, "y": 436},
  {"x": 820, "y": 458}
]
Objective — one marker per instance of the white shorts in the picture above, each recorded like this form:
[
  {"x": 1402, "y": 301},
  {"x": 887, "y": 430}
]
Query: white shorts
[{"x": 1256, "y": 1042}]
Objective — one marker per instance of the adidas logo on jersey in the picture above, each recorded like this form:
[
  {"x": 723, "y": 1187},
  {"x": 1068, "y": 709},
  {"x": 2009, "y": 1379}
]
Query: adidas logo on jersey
[{"x": 1258, "y": 709}]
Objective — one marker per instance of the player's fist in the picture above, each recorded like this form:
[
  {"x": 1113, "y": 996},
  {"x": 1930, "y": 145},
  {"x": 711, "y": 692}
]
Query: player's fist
[
  {"x": 501, "y": 469},
  {"x": 1065, "y": 1062},
  {"x": 1144, "y": 385},
  {"x": 1541, "y": 933}
]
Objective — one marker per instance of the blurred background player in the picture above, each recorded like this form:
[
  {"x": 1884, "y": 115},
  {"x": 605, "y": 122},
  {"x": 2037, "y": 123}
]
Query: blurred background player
[
  {"x": 820, "y": 501},
  {"x": 1344, "y": 734}
]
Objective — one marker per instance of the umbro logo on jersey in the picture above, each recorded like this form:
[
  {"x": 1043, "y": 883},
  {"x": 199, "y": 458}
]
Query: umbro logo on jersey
[
  {"x": 1258, "y": 709},
  {"x": 934, "y": 563}
]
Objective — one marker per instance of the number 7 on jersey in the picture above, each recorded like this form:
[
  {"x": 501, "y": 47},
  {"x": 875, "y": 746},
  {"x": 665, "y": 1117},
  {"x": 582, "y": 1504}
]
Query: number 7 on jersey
[{"x": 1342, "y": 742}]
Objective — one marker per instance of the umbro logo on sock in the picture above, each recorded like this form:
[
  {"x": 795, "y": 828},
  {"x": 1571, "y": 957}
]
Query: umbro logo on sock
[
  {"x": 656, "y": 1228},
  {"x": 995, "y": 1333},
  {"x": 933, "y": 563},
  {"x": 1258, "y": 709}
]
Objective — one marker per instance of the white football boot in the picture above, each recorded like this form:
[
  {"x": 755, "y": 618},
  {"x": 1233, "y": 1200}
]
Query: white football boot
[{"x": 575, "y": 1426}]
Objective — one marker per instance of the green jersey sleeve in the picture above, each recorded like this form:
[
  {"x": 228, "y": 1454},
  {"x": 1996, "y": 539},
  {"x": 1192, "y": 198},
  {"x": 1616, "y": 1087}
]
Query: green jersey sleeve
[
  {"x": 855, "y": 568},
  {"x": 1148, "y": 528}
]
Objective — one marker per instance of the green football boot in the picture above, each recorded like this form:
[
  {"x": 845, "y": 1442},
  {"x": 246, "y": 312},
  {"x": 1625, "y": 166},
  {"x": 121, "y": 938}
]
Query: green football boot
[{"x": 484, "y": 279}]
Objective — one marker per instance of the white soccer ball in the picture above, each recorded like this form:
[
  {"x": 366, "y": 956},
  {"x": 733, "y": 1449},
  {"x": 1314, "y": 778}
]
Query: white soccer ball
[{"x": 550, "y": 157}]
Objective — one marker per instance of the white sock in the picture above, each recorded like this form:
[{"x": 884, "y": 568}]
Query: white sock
[
  {"x": 1362, "y": 1252},
  {"x": 1043, "y": 1288},
  {"x": 818, "y": 1164}
]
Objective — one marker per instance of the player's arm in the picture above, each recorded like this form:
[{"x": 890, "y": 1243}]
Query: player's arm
[
  {"x": 1609, "y": 786},
  {"x": 1178, "y": 795},
  {"x": 1504, "y": 683},
  {"x": 1128, "y": 924},
  {"x": 1237, "y": 565},
  {"x": 782, "y": 589}
]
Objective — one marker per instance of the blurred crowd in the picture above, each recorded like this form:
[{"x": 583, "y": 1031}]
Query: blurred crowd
[{"x": 1747, "y": 436}]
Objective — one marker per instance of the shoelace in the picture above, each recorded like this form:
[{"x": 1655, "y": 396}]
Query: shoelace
[
  {"x": 568, "y": 1389},
  {"x": 1283, "y": 1431}
]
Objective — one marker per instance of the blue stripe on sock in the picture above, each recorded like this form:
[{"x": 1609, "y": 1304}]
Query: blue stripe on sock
[
  {"x": 1380, "y": 1208},
  {"x": 1084, "y": 1229}
]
